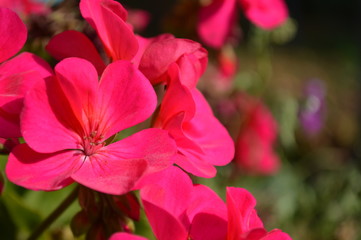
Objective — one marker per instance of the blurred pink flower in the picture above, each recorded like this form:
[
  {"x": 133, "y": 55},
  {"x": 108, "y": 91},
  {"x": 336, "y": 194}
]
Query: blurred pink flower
[
  {"x": 266, "y": 14},
  {"x": 254, "y": 145},
  {"x": 174, "y": 205},
  {"x": 202, "y": 141},
  {"x": 139, "y": 19},
  {"x": 67, "y": 120},
  {"x": 18, "y": 74},
  {"x": 220, "y": 75},
  {"x": 216, "y": 21},
  {"x": 26, "y": 7}
]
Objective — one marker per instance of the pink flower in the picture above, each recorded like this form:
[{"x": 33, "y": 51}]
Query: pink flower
[
  {"x": 67, "y": 122},
  {"x": 108, "y": 18},
  {"x": 216, "y": 21},
  {"x": 153, "y": 56},
  {"x": 254, "y": 145},
  {"x": 243, "y": 221},
  {"x": 139, "y": 19},
  {"x": 190, "y": 57},
  {"x": 25, "y": 7},
  {"x": 219, "y": 76},
  {"x": 18, "y": 74},
  {"x": 174, "y": 205},
  {"x": 120, "y": 43},
  {"x": 201, "y": 139},
  {"x": 267, "y": 14}
]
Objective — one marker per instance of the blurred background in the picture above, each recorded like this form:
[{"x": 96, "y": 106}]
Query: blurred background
[{"x": 303, "y": 78}]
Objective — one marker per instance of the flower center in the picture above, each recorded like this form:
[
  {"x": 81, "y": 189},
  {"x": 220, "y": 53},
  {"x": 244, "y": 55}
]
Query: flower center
[{"x": 92, "y": 143}]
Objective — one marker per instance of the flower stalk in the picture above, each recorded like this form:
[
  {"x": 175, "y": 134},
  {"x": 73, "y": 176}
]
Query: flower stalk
[{"x": 55, "y": 214}]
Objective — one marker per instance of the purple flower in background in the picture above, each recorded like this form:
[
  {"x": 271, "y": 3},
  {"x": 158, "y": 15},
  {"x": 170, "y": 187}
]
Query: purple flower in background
[{"x": 311, "y": 114}]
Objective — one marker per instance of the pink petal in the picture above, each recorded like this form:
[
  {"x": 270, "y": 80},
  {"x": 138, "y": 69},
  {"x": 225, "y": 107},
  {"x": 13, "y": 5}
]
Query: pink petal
[
  {"x": 108, "y": 19},
  {"x": 205, "y": 200},
  {"x": 37, "y": 171},
  {"x": 49, "y": 115},
  {"x": 78, "y": 80},
  {"x": 9, "y": 123},
  {"x": 241, "y": 214},
  {"x": 208, "y": 226},
  {"x": 165, "y": 200},
  {"x": 216, "y": 22},
  {"x": 177, "y": 99},
  {"x": 192, "y": 162},
  {"x": 255, "y": 234},
  {"x": 163, "y": 223},
  {"x": 209, "y": 133},
  {"x": 115, "y": 168},
  {"x": 75, "y": 44},
  {"x": 126, "y": 236},
  {"x": 178, "y": 107},
  {"x": 161, "y": 54},
  {"x": 13, "y": 34},
  {"x": 170, "y": 190},
  {"x": 18, "y": 75},
  {"x": 126, "y": 97},
  {"x": 267, "y": 14},
  {"x": 144, "y": 43},
  {"x": 201, "y": 140},
  {"x": 110, "y": 172},
  {"x": 191, "y": 69}
]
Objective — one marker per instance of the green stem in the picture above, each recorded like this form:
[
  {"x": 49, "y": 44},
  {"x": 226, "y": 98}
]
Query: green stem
[{"x": 55, "y": 214}]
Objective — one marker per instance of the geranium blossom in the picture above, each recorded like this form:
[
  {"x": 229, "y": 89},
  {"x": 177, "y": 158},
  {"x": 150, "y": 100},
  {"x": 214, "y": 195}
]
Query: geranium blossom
[
  {"x": 190, "y": 57},
  {"x": 152, "y": 55},
  {"x": 266, "y": 14},
  {"x": 18, "y": 74},
  {"x": 120, "y": 42},
  {"x": 67, "y": 120},
  {"x": 174, "y": 205},
  {"x": 25, "y": 7},
  {"x": 216, "y": 21},
  {"x": 254, "y": 145},
  {"x": 201, "y": 139}
]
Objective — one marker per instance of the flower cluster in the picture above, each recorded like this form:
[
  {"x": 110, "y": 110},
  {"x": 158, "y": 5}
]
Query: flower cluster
[{"x": 72, "y": 120}]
